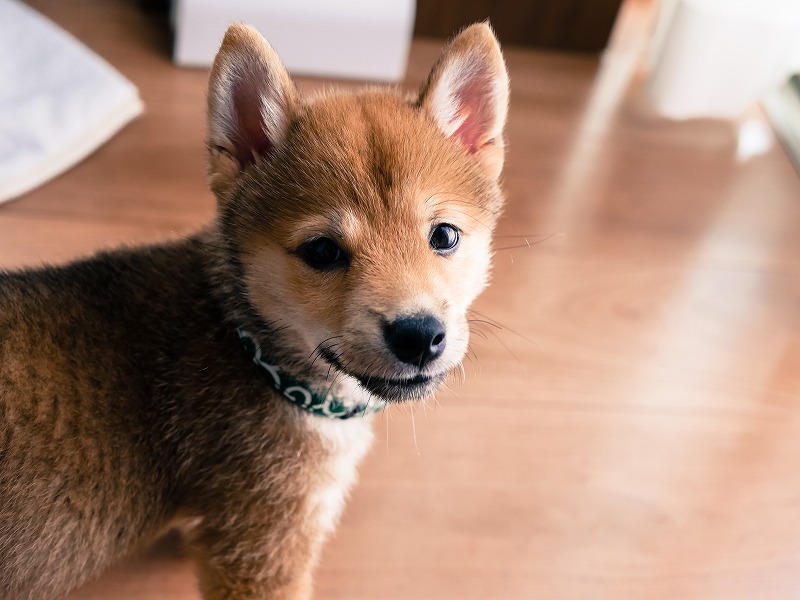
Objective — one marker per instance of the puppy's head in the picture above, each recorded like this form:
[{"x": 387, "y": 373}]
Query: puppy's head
[{"x": 362, "y": 221}]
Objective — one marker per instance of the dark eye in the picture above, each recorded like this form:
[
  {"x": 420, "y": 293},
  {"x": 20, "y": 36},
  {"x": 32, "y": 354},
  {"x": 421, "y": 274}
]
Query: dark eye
[
  {"x": 323, "y": 254},
  {"x": 444, "y": 238}
]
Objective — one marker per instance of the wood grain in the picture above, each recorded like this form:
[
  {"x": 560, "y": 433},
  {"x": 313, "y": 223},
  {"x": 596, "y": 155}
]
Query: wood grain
[{"x": 629, "y": 427}]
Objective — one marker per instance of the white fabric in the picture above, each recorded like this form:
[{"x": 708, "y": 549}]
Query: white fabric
[
  {"x": 716, "y": 58},
  {"x": 59, "y": 101}
]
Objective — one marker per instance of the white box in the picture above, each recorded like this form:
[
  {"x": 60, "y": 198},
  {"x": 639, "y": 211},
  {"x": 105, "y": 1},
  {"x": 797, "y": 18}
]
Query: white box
[
  {"x": 715, "y": 58},
  {"x": 351, "y": 39}
]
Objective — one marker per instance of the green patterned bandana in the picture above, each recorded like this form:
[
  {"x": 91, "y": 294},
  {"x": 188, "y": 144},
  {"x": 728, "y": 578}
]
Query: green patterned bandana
[{"x": 322, "y": 405}]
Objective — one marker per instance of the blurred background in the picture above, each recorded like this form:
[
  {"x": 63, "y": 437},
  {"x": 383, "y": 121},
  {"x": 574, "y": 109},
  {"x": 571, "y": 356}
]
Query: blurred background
[{"x": 628, "y": 425}]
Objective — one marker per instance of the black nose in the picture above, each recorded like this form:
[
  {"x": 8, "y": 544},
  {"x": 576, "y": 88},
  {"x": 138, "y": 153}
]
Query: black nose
[{"x": 415, "y": 340}]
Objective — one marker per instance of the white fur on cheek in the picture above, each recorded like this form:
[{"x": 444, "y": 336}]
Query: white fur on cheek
[{"x": 266, "y": 274}]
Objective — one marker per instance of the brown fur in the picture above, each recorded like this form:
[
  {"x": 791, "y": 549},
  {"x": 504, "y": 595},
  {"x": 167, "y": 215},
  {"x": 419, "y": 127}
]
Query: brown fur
[{"x": 125, "y": 397}]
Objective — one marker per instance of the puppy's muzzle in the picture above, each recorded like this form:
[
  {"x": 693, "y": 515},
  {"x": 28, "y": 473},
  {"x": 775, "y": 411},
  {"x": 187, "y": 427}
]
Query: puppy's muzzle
[{"x": 415, "y": 340}]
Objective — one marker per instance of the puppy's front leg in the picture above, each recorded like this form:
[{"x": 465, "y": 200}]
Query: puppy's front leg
[{"x": 266, "y": 558}]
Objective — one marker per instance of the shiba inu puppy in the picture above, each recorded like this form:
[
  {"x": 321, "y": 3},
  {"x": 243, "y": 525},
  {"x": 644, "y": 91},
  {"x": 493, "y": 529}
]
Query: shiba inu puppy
[{"x": 230, "y": 377}]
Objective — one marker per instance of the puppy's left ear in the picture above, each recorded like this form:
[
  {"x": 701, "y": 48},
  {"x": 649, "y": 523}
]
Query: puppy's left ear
[{"x": 467, "y": 95}]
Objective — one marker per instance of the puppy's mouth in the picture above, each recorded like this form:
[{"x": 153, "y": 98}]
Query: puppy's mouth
[{"x": 398, "y": 389}]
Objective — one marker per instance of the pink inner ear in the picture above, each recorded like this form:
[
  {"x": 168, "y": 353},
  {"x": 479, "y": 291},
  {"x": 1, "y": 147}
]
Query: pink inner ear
[
  {"x": 475, "y": 106},
  {"x": 250, "y": 138}
]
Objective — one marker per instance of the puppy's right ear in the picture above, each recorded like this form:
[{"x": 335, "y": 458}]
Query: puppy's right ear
[{"x": 251, "y": 103}]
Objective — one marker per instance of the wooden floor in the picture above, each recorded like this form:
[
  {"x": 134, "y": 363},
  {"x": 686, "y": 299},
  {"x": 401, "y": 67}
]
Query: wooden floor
[{"x": 630, "y": 429}]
